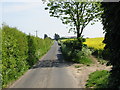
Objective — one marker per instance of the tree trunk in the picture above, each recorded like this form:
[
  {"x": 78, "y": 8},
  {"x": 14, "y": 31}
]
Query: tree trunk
[
  {"x": 79, "y": 39},
  {"x": 78, "y": 33}
]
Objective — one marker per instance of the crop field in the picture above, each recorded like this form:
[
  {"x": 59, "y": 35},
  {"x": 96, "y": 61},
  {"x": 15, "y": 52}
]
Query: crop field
[
  {"x": 95, "y": 43},
  {"x": 63, "y": 40}
]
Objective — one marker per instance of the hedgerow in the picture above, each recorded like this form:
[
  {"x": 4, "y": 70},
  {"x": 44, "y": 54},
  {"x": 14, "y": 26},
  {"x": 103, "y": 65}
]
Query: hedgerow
[
  {"x": 19, "y": 53},
  {"x": 71, "y": 52},
  {"x": 0, "y": 57},
  {"x": 111, "y": 23}
]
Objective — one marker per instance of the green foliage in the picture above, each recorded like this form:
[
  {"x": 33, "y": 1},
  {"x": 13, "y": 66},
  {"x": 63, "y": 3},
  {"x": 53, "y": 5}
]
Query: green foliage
[
  {"x": 14, "y": 54},
  {"x": 74, "y": 44},
  {"x": 71, "y": 51},
  {"x": 19, "y": 53},
  {"x": 111, "y": 22},
  {"x": 96, "y": 45},
  {"x": 0, "y": 58},
  {"x": 83, "y": 56},
  {"x": 98, "y": 53},
  {"x": 98, "y": 79},
  {"x": 75, "y": 14}
]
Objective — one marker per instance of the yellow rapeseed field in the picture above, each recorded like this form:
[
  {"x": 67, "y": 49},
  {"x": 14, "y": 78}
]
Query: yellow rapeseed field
[
  {"x": 95, "y": 42},
  {"x": 67, "y": 39}
]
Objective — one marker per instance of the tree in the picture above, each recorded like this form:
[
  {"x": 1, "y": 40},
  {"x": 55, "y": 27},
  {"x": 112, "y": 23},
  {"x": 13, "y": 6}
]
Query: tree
[
  {"x": 75, "y": 14},
  {"x": 111, "y": 23},
  {"x": 45, "y": 36},
  {"x": 56, "y": 37}
]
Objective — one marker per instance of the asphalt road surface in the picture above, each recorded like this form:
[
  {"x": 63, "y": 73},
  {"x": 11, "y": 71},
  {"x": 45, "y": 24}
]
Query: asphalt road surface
[{"x": 49, "y": 72}]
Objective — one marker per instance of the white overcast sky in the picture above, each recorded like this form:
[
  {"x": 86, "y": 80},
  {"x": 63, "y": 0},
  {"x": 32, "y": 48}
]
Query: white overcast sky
[{"x": 29, "y": 16}]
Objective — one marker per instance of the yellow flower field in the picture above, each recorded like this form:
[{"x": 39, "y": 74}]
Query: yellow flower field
[
  {"x": 67, "y": 39},
  {"x": 95, "y": 42},
  {"x": 92, "y": 42}
]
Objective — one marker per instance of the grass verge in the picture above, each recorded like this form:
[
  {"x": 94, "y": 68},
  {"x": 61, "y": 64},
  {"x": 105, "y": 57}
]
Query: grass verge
[{"x": 98, "y": 79}]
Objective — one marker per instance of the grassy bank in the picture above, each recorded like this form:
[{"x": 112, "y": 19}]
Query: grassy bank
[
  {"x": 98, "y": 79},
  {"x": 19, "y": 53}
]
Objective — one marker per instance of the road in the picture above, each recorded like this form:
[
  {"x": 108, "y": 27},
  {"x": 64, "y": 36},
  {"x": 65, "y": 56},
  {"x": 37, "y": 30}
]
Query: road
[{"x": 50, "y": 72}]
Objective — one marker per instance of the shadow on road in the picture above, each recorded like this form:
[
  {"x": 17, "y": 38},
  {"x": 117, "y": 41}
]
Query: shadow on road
[
  {"x": 53, "y": 58},
  {"x": 59, "y": 62}
]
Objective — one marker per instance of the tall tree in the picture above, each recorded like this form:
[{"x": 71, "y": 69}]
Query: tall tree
[
  {"x": 75, "y": 14},
  {"x": 111, "y": 22}
]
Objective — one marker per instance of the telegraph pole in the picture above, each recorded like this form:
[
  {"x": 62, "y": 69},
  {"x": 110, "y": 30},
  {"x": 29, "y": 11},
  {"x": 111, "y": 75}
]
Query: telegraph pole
[{"x": 36, "y": 33}]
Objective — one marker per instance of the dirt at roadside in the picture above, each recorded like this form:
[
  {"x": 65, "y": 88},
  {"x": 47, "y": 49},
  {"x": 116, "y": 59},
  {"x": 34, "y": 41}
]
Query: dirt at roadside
[{"x": 82, "y": 73}]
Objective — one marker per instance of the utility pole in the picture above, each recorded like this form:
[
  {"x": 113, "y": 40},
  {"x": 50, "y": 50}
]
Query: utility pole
[{"x": 36, "y": 33}]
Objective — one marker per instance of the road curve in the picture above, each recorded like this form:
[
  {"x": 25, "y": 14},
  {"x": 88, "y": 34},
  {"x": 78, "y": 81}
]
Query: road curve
[{"x": 49, "y": 72}]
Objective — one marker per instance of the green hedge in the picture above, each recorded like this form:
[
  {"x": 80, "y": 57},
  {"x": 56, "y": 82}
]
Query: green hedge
[
  {"x": 0, "y": 57},
  {"x": 20, "y": 52},
  {"x": 71, "y": 52}
]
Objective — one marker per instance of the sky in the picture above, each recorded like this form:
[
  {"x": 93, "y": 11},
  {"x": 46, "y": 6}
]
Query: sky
[{"x": 30, "y": 15}]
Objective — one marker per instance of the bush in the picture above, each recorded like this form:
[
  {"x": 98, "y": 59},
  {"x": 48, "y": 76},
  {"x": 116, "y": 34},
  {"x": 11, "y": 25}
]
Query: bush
[
  {"x": 19, "y": 53},
  {"x": 71, "y": 52},
  {"x": 98, "y": 79},
  {"x": 83, "y": 56},
  {"x": 98, "y": 53}
]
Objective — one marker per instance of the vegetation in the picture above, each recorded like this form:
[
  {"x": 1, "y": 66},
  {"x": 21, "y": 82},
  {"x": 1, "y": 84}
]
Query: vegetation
[
  {"x": 19, "y": 53},
  {"x": 45, "y": 36},
  {"x": 111, "y": 22},
  {"x": 56, "y": 37},
  {"x": 75, "y": 14},
  {"x": 71, "y": 52},
  {"x": 0, "y": 58},
  {"x": 96, "y": 46},
  {"x": 63, "y": 40},
  {"x": 98, "y": 79},
  {"x": 96, "y": 43}
]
